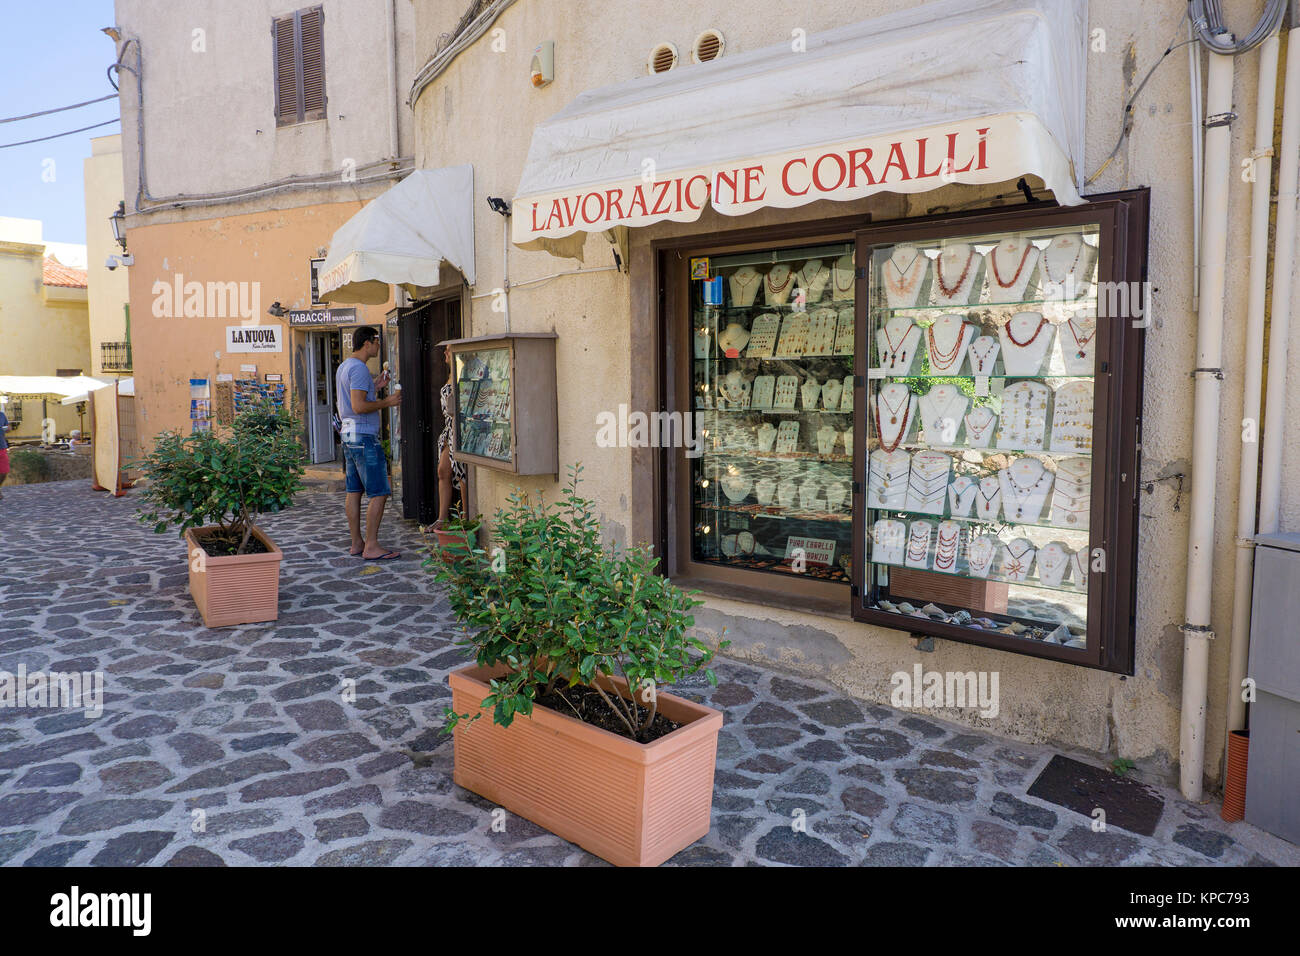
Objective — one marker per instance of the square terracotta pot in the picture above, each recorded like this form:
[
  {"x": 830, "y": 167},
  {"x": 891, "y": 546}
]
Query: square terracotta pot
[
  {"x": 629, "y": 803},
  {"x": 237, "y": 589}
]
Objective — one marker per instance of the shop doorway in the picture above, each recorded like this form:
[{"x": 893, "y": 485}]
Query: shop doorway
[
  {"x": 324, "y": 353},
  {"x": 423, "y": 373}
]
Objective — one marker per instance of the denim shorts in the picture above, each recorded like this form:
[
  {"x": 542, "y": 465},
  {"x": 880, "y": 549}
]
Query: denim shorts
[{"x": 367, "y": 467}]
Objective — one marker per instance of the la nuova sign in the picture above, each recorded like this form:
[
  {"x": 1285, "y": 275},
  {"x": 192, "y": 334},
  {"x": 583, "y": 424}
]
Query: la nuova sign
[{"x": 254, "y": 338}]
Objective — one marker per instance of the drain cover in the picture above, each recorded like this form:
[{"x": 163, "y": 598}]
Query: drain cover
[{"x": 1082, "y": 788}]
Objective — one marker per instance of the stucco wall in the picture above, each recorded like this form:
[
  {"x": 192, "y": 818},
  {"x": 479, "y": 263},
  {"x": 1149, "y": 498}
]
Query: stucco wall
[
  {"x": 594, "y": 315},
  {"x": 107, "y": 289},
  {"x": 39, "y": 336},
  {"x": 217, "y": 103},
  {"x": 270, "y": 251}
]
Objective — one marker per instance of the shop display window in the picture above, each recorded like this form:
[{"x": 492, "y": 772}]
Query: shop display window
[
  {"x": 772, "y": 354},
  {"x": 933, "y": 423}
]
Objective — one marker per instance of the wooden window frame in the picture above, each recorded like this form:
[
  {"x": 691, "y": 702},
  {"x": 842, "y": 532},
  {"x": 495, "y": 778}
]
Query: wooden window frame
[
  {"x": 1112, "y": 602},
  {"x": 300, "y": 113}
]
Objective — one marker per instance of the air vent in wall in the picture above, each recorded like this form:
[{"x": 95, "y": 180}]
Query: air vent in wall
[
  {"x": 708, "y": 46},
  {"x": 662, "y": 58}
]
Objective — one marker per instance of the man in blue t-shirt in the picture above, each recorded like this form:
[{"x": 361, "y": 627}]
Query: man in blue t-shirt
[{"x": 367, "y": 465}]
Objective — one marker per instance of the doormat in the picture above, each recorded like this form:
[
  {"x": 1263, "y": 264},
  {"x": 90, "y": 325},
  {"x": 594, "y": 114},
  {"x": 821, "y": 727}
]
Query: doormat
[{"x": 1083, "y": 788}]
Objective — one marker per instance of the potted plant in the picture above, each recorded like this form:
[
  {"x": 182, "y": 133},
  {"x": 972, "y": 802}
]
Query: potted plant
[
  {"x": 572, "y": 641},
  {"x": 456, "y": 530},
  {"x": 211, "y": 487}
]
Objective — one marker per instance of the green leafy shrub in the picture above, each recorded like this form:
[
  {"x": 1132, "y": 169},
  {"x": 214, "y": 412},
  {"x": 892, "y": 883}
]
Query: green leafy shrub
[
  {"x": 29, "y": 466},
  {"x": 562, "y": 611},
  {"x": 210, "y": 479}
]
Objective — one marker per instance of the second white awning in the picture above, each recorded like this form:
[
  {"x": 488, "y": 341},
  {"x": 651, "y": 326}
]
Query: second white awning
[
  {"x": 402, "y": 238},
  {"x": 956, "y": 91}
]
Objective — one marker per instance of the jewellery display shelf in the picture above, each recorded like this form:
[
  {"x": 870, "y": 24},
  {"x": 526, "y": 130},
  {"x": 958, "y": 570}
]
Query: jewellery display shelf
[
  {"x": 505, "y": 399},
  {"x": 772, "y": 391},
  {"x": 996, "y": 473}
]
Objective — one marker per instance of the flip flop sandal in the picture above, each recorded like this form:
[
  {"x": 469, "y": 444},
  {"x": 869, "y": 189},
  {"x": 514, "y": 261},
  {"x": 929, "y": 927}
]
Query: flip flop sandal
[
  {"x": 387, "y": 556},
  {"x": 356, "y": 554}
]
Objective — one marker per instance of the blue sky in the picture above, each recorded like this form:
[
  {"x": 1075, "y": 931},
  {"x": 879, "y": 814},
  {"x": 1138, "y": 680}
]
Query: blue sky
[{"x": 52, "y": 53}]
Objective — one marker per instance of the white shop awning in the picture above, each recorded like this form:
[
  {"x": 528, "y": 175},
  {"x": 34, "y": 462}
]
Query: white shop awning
[
  {"x": 965, "y": 91},
  {"x": 48, "y": 386},
  {"x": 125, "y": 386},
  {"x": 402, "y": 238}
]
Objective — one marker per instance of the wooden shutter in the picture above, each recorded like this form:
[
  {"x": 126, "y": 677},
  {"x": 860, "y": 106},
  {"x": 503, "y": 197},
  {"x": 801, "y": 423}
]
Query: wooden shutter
[
  {"x": 313, "y": 62},
  {"x": 299, "y": 49},
  {"x": 286, "y": 86}
]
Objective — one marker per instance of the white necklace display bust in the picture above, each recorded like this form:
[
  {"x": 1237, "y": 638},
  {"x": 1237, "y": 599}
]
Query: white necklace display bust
[
  {"x": 984, "y": 355},
  {"x": 958, "y": 271},
  {"x": 1025, "y": 341},
  {"x": 843, "y": 278},
  {"x": 988, "y": 498},
  {"x": 893, "y": 411},
  {"x": 814, "y": 277},
  {"x": 887, "y": 476},
  {"x": 961, "y": 496},
  {"x": 981, "y": 424},
  {"x": 980, "y": 553},
  {"x": 1077, "y": 336},
  {"x": 744, "y": 284},
  {"x": 927, "y": 482},
  {"x": 905, "y": 276},
  {"x": 1011, "y": 265},
  {"x": 1067, "y": 265},
  {"x": 1025, "y": 485},
  {"x": 946, "y": 342},
  {"x": 778, "y": 284},
  {"x": 897, "y": 341},
  {"x": 1017, "y": 559},
  {"x": 918, "y": 544},
  {"x": 943, "y": 409},
  {"x": 1072, "y": 494},
  {"x": 888, "y": 541},
  {"x": 1053, "y": 562}
]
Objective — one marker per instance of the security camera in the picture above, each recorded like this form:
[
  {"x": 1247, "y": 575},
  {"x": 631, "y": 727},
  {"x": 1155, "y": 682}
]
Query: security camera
[
  {"x": 114, "y": 261},
  {"x": 111, "y": 263}
]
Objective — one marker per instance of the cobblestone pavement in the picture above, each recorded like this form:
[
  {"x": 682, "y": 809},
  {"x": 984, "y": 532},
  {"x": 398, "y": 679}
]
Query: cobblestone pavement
[{"x": 246, "y": 724}]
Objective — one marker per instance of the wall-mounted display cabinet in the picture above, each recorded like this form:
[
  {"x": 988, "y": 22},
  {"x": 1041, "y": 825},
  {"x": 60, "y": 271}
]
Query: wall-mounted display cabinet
[
  {"x": 933, "y": 424},
  {"x": 505, "y": 402}
]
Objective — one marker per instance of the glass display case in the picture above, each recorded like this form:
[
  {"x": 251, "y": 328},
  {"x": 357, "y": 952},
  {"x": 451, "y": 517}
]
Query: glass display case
[
  {"x": 997, "y": 479},
  {"x": 505, "y": 402},
  {"x": 772, "y": 346}
]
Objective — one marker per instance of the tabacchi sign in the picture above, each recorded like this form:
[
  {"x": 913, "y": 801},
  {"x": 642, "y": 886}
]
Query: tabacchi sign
[{"x": 970, "y": 152}]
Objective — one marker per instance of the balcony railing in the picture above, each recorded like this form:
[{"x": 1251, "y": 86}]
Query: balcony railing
[{"x": 115, "y": 356}]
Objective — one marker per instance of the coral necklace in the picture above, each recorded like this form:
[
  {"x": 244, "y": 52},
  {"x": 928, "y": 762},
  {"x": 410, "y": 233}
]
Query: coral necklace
[
  {"x": 893, "y": 420},
  {"x": 997, "y": 277},
  {"x": 1047, "y": 268},
  {"x": 1042, "y": 320},
  {"x": 1082, "y": 345},
  {"x": 947, "y": 291},
  {"x": 778, "y": 288},
  {"x": 943, "y": 360}
]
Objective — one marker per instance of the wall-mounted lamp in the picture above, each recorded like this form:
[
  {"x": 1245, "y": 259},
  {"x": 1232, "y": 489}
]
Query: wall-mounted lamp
[
  {"x": 498, "y": 205},
  {"x": 118, "y": 222},
  {"x": 276, "y": 309}
]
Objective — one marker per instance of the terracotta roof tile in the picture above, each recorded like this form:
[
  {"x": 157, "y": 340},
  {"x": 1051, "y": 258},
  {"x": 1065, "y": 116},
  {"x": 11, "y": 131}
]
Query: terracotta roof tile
[{"x": 56, "y": 273}]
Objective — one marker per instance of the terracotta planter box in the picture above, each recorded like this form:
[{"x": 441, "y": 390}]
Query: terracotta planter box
[
  {"x": 238, "y": 589},
  {"x": 449, "y": 537},
  {"x": 629, "y": 803}
]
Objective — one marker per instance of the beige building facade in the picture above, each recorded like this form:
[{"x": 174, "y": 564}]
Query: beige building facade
[
  {"x": 107, "y": 288},
  {"x": 605, "y": 312},
  {"x": 44, "y": 324},
  {"x": 251, "y": 132}
]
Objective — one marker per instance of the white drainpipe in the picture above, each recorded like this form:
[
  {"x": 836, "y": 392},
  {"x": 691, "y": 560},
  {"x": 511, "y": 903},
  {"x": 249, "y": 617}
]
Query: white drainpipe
[
  {"x": 1270, "y": 486},
  {"x": 1253, "y": 372},
  {"x": 1205, "y": 426},
  {"x": 392, "y": 80}
]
